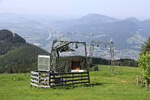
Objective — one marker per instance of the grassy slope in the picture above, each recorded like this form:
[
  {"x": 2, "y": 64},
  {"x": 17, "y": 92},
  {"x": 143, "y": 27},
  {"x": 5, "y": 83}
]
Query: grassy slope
[{"x": 120, "y": 86}]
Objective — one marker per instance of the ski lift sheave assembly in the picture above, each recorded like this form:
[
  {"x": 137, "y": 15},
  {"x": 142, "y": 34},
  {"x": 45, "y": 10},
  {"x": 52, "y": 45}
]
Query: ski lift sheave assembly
[{"x": 59, "y": 47}]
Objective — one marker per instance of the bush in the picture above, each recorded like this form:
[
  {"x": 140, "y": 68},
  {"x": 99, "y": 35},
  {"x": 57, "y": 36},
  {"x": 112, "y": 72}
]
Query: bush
[{"x": 94, "y": 68}]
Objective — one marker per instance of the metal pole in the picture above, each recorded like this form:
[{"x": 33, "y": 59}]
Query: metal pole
[{"x": 86, "y": 57}]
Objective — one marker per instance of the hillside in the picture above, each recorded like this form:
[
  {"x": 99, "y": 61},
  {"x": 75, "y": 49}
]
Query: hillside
[
  {"x": 9, "y": 41},
  {"x": 16, "y": 55}
]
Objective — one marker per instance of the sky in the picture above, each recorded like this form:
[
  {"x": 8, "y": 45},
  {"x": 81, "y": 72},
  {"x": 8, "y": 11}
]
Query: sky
[{"x": 113, "y": 8}]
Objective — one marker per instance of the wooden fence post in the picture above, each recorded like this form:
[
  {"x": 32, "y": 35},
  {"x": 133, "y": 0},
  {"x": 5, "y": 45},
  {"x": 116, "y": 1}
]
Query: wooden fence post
[
  {"x": 137, "y": 80},
  {"x": 141, "y": 82},
  {"x": 146, "y": 83}
]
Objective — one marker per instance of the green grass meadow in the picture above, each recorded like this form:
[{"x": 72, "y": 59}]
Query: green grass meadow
[{"x": 104, "y": 86}]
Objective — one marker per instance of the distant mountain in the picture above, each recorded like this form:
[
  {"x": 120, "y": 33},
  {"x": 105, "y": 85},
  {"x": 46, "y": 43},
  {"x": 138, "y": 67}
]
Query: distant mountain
[
  {"x": 127, "y": 34},
  {"x": 16, "y": 55},
  {"x": 87, "y": 21},
  {"x": 97, "y": 18}
]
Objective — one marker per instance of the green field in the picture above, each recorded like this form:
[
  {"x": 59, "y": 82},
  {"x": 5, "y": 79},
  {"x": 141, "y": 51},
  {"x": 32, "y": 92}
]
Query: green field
[{"x": 120, "y": 86}]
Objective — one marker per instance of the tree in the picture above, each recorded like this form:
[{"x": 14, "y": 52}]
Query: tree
[{"x": 144, "y": 60}]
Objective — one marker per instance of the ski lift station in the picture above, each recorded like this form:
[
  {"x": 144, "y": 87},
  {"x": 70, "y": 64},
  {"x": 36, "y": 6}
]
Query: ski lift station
[{"x": 66, "y": 65}]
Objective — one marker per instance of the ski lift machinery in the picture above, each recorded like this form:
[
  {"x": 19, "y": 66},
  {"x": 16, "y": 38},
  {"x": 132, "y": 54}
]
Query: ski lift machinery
[
  {"x": 64, "y": 46},
  {"x": 51, "y": 74}
]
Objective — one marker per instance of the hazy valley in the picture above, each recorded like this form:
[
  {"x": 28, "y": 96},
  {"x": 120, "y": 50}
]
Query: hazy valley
[{"x": 127, "y": 34}]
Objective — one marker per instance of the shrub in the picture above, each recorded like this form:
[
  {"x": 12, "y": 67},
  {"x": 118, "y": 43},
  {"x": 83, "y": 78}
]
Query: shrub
[
  {"x": 94, "y": 68},
  {"x": 144, "y": 64}
]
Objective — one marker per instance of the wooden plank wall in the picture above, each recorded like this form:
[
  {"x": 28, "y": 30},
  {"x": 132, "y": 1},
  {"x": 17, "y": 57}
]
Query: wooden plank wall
[
  {"x": 47, "y": 79},
  {"x": 40, "y": 79}
]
